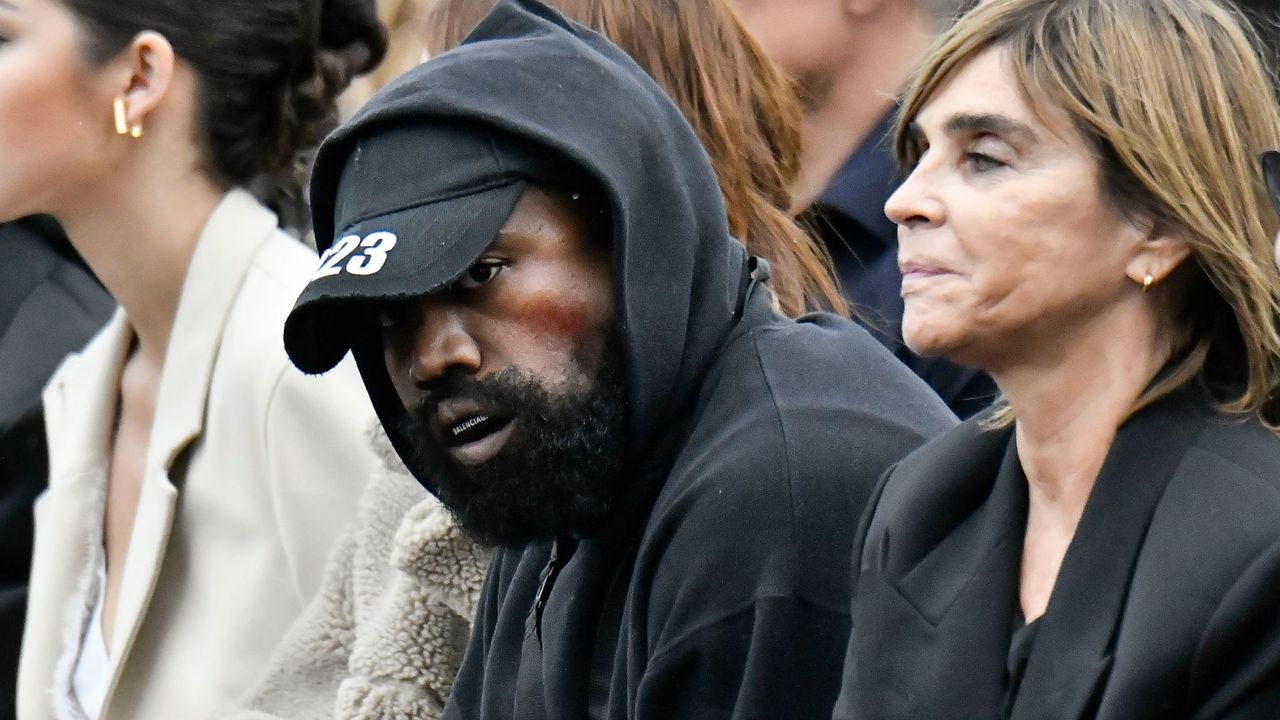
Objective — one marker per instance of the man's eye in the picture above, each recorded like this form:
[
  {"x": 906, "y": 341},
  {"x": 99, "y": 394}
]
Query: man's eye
[
  {"x": 390, "y": 318},
  {"x": 480, "y": 273}
]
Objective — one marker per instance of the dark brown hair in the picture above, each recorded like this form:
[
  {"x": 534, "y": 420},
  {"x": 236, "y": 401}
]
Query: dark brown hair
[{"x": 268, "y": 72}]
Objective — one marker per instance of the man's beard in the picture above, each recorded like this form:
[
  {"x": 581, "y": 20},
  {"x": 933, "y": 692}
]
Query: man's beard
[{"x": 561, "y": 471}]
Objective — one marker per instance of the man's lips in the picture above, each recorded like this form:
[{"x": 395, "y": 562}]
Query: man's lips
[
  {"x": 481, "y": 448},
  {"x": 472, "y": 434}
]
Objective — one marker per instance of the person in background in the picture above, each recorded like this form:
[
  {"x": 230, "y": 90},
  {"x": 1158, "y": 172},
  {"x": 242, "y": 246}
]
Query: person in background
[
  {"x": 197, "y": 480},
  {"x": 850, "y": 61},
  {"x": 50, "y": 305},
  {"x": 401, "y": 588},
  {"x": 565, "y": 343},
  {"x": 1085, "y": 219},
  {"x": 403, "y": 20}
]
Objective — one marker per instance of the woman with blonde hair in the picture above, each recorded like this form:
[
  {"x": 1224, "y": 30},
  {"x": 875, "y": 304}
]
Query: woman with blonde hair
[{"x": 1084, "y": 219}]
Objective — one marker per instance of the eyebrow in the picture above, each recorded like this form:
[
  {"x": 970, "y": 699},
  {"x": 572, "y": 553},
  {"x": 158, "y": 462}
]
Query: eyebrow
[{"x": 986, "y": 123}]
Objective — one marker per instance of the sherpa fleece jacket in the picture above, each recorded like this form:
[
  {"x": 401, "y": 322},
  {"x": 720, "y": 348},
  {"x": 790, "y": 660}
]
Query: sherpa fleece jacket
[{"x": 384, "y": 638}]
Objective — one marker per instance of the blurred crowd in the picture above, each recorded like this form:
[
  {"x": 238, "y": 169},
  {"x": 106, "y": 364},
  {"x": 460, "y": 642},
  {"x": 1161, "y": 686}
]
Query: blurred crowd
[{"x": 640, "y": 359}]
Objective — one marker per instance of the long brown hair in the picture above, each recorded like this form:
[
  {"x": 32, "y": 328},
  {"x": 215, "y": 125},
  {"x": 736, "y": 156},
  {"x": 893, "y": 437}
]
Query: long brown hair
[
  {"x": 1174, "y": 99},
  {"x": 742, "y": 108}
]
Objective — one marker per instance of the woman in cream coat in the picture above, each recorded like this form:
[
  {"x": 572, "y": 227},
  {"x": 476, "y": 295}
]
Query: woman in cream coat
[{"x": 197, "y": 479}]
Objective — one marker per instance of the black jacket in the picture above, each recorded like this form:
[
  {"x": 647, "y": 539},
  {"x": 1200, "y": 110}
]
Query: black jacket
[
  {"x": 1167, "y": 604},
  {"x": 722, "y": 587},
  {"x": 50, "y": 305}
]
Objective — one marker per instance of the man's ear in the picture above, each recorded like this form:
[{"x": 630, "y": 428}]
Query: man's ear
[
  {"x": 1163, "y": 251},
  {"x": 148, "y": 66}
]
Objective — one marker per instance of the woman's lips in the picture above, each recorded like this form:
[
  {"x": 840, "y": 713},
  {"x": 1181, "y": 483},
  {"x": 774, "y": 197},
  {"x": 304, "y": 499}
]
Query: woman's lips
[
  {"x": 922, "y": 269},
  {"x": 914, "y": 273}
]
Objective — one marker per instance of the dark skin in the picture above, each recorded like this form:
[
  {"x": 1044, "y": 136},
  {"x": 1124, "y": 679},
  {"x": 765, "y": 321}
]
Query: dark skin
[{"x": 539, "y": 298}]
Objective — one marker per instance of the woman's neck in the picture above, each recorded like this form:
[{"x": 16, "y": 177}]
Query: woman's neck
[
  {"x": 1070, "y": 404},
  {"x": 138, "y": 237}
]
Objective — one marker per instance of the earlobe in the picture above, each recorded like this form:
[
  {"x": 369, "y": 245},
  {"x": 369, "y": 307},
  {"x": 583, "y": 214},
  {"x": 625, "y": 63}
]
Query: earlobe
[{"x": 1157, "y": 258}]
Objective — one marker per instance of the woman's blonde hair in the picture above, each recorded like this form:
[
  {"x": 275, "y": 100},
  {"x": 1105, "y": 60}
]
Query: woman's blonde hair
[
  {"x": 1174, "y": 100},
  {"x": 742, "y": 108}
]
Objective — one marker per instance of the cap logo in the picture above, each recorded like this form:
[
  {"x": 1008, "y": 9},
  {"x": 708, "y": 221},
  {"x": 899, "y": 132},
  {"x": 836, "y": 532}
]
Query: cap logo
[{"x": 363, "y": 256}]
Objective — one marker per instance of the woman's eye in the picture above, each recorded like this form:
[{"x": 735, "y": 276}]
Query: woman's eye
[
  {"x": 981, "y": 163},
  {"x": 479, "y": 274}
]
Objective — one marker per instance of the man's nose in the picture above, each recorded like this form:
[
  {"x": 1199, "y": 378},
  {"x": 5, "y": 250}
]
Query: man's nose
[{"x": 442, "y": 343}]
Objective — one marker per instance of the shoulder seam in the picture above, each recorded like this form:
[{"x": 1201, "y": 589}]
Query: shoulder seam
[{"x": 786, "y": 450}]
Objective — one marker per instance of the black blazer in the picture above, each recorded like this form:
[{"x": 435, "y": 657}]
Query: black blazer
[{"x": 1167, "y": 604}]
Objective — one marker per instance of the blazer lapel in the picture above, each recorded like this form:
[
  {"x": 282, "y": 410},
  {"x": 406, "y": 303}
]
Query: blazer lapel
[
  {"x": 1069, "y": 661},
  {"x": 941, "y": 611},
  {"x": 232, "y": 236},
  {"x": 80, "y": 401}
]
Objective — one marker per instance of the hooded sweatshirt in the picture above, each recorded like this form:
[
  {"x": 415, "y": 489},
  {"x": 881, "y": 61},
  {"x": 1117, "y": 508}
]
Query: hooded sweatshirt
[{"x": 721, "y": 587}]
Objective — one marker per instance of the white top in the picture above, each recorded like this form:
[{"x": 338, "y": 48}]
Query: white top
[{"x": 90, "y": 680}]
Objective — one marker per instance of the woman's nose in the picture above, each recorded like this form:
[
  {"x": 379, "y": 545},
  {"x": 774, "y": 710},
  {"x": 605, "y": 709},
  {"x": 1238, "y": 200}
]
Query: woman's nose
[{"x": 915, "y": 203}]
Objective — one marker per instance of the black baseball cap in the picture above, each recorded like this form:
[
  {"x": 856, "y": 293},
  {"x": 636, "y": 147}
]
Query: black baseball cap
[{"x": 414, "y": 204}]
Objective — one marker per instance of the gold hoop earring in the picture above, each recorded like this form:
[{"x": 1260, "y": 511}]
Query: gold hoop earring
[
  {"x": 1147, "y": 282},
  {"x": 122, "y": 122}
]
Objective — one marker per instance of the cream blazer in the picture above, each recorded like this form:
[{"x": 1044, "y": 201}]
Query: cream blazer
[{"x": 252, "y": 472}]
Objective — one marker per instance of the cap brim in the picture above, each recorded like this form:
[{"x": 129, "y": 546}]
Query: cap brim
[{"x": 407, "y": 253}]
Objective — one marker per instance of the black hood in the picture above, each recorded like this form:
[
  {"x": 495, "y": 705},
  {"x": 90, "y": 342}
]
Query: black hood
[{"x": 678, "y": 275}]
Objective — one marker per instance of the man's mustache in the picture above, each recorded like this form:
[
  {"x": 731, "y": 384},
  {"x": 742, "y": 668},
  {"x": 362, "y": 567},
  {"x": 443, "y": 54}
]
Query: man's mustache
[{"x": 494, "y": 392}]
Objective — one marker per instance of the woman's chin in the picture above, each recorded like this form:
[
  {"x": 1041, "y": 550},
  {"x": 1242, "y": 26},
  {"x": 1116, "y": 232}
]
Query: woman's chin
[{"x": 932, "y": 338}]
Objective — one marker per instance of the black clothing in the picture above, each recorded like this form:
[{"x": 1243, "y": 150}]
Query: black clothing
[
  {"x": 849, "y": 219},
  {"x": 720, "y": 587},
  {"x": 1164, "y": 607},
  {"x": 50, "y": 305},
  {"x": 1020, "y": 644},
  {"x": 733, "y": 595}
]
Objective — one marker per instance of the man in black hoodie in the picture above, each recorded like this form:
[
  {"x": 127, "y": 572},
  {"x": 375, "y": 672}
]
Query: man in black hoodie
[{"x": 526, "y": 251}]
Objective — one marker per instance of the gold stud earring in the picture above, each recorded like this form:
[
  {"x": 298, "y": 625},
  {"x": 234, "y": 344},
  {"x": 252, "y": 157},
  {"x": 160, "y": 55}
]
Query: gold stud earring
[
  {"x": 122, "y": 122},
  {"x": 135, "y": 130},
  {"x": 1147, "y": 282}
]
